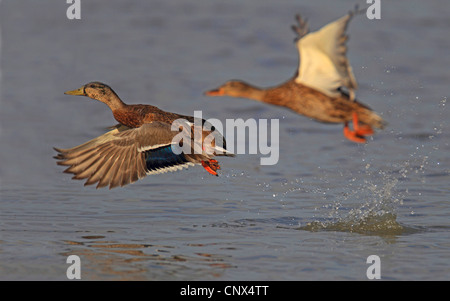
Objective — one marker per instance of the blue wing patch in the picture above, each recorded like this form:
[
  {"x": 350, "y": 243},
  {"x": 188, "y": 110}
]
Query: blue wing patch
[{"x": 162, "y": 158}]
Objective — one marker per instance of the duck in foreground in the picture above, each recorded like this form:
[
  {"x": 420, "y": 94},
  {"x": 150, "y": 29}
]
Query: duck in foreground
[
  {"x": 141, "y": 144},
  {"x": 317, "y": 89}
]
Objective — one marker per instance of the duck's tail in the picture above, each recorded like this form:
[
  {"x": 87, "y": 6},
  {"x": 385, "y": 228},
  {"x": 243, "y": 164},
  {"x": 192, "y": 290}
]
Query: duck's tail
[{"x": 369, "y": 117}]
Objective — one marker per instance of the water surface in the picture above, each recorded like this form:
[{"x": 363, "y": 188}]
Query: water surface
[{"x": 317, "y": 215}]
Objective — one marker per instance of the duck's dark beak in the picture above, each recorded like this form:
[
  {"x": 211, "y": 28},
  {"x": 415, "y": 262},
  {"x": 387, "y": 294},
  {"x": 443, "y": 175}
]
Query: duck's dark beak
[{"x": 76, "y": 92}]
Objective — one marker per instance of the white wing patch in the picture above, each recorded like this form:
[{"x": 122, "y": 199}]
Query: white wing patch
[
  {"x": 323, "y": 63},
  {"x": 169, "y": 169}
]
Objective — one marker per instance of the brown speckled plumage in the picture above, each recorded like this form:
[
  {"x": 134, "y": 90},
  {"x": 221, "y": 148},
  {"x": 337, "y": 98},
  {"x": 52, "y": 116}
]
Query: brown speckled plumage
[
  {"x": 141, "y": 144},
  {"x": 314, "y": 104}
]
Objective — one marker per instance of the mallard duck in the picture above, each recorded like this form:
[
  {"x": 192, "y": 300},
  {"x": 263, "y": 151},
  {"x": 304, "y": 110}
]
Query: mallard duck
[
  {"x": 317, "y": 90},
  {"x": 141, "y": 144}
]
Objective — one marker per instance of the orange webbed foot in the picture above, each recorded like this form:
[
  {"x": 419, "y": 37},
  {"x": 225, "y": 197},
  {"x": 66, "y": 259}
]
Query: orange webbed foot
[
  {"x": 214, "y": 163},
  {"x": 359, "y": 130},
  {"x": 211, "y": 166},
  {"x": 353, "y": 135},
  {"x": 364, "y": 130}
]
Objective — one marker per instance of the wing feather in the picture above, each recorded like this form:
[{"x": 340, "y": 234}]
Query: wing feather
[
  {"x": 323, "y": 62},
  {"x": 119, "y": 157}
]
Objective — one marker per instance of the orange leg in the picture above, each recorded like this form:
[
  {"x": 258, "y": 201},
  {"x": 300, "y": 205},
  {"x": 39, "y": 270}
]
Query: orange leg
[
  {"x": 211, "y": 166},
  {"x": 359, "y": 131}
]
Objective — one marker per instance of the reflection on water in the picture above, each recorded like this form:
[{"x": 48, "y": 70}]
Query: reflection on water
[{"x": 103, "y": 259}]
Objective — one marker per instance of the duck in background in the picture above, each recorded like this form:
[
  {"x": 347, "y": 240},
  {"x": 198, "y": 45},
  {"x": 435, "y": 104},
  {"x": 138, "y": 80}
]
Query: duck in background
[{"x": 323, "y": 87}]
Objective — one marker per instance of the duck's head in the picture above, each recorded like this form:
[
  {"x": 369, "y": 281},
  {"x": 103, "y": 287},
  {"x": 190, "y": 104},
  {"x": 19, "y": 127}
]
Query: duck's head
[
  {"x": 96, "y": 90},
  {"x": 233, "y": 88}
]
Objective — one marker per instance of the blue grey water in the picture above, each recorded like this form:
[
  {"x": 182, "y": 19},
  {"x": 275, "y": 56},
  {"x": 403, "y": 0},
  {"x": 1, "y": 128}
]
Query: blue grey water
[{"x": 316, "y": 215}]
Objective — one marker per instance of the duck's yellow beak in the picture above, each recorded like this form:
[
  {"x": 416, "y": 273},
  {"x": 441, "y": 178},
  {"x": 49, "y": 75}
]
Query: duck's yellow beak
[{"x": 76, "y": 92}]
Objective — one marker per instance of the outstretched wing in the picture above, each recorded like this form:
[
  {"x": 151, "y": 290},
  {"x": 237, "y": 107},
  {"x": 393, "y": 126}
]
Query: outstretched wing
[
  {"x": 323, "y": 62},
  {"x": 124, "y": 155}
]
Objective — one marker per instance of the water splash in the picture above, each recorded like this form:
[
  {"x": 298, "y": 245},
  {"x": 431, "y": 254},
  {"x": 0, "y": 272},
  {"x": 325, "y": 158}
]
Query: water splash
[{"x": 376, "y": 216}]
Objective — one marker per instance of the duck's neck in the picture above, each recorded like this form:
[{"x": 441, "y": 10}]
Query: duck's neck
[
  {"x": 252, "y": 92},
  {"x": 113, "y": 101}
]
